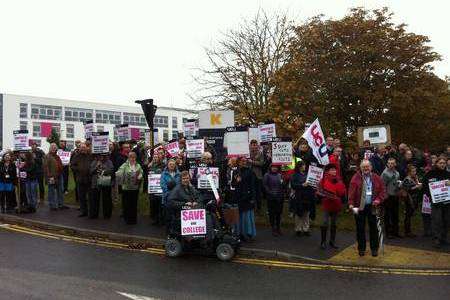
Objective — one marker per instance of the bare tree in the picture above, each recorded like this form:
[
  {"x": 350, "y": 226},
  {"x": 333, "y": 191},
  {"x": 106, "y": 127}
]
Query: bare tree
[{"x": 242, "y": 65}]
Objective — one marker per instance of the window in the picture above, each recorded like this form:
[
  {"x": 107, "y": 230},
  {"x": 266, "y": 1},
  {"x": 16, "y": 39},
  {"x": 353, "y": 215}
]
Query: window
[
  {"x": 185, "y": 120},
  {"x": 161, "y": 121},
  {"x": 78, "y": 114},
  {"x": 24, "y": 110},
  {"x": 57, "y": 127},
  {"x": 165, "y": 135},
  {"x": 134, "y": 119},
  {"x": 70, "y": 145},
  {"x": 70, "y": 131},
  {"x": 36, "y": 129},
  {"x": 174, "y": 135},
  {"x": 174, "y": 122},
  {"x": 46, "y": 112},
  {"x": 23, "y": 125},
  {"x": 100, "y": 128},
  {"x": 107, "y": 117}
]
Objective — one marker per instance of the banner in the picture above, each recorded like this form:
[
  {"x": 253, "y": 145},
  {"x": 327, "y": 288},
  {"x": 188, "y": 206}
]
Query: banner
[
  {"x": 21, "y": 140},
  {"x": 190, "y": 129},
  {"x": 64, "y": 156},
  {"x": 193, "y": 222},
  {"x": 123, "y": 133},
  {"x": 202, "y": 177},
  {"x": 440, "y": 191},
  {"x": 426, "y": 205},
  {"x": 46, "y": 129},
  {"x": 267, "y": 132},
  {"x": 215, "y": 119},
  {"x": 314, "y": 176},
  {"x": 88, "y": 129},
  {"x": 173, "y": 149},
  {"x": 282, "y": 152},
  {"x": 154, "y": 184},
  {"x": 195, "y": 148},
  {"x": 100, "y": 142},
  {"x": 314, "y": 136},
  {"x": 236, "y": 143}
]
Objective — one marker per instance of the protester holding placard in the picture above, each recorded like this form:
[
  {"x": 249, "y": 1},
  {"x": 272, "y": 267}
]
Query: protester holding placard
[
  {"x": 20, "y": 164},
  {"x": 414, "y": 191},
  {"x": 31, "y": 182},
  {"x": 38, "y": 156},
  {"x": 303, "y": 199},
  {"x": 331, "y": 190},
  {"x": 440, "y": 212},
  {"x": 274, "y": 186},
  {"x": 63, "y": 147},
  {"x": 169, "y": 177},
  {"x": 247, "y": 194},
  {"x": 81, "y": 165},
  {"x": 53, "y": 169},
  {"x": 156, "y": 167},
  {"x": 257, "y": 163},
  {"x": 8, "y": 177},
  {"x": 130, "y": 177},
  {"x": 391, "y": 178},
  {"x": 101, "y": 172}
]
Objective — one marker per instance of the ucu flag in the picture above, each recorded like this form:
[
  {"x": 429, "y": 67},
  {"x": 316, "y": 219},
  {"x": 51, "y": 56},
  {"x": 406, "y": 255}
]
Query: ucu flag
[{"x": 316, "y": 141}]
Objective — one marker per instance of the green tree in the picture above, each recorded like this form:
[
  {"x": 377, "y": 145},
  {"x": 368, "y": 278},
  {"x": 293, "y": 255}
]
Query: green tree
[
  {"x": 362, "y": 70},
  {"x": 54, "y": 137}
]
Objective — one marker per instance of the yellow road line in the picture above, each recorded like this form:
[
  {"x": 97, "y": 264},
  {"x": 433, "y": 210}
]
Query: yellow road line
[{"x": 241, "y": 260}]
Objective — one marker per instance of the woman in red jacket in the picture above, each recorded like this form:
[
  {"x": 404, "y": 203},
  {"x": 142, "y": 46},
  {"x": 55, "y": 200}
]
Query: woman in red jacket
[{"x": 331, "y": 189}]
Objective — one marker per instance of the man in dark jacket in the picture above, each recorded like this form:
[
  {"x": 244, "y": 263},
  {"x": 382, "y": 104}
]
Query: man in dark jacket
[
  {"x": 39, "y": 155},
  {"x": 81, "y": 167},
  {"x": 63, "y": 147}
]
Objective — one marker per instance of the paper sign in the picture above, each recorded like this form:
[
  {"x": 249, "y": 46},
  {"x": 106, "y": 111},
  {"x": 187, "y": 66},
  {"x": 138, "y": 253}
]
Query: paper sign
[
  {"x": 190, "y": 129},
  {"x": 314, "y": 176},
  {"x": 215, "y": 119},
  {"x": 440, "y": 191},
  {"x": 202, "y": 177},
  {"x": 154, "y": 184},
  {"x": 173, "y": 149},
  {"x": 88, "y": 129},
  {"x": 100, "y": 142},
  {"x": 195, "y": 148},
  {"x": 64, "y": 156},
  {"x": 282, "y": 153},
  {"x": 193, "y": 222},
  {"x": 426, "y": 205},
  {"x": 123, "y": 134},
  {"x": 254, "y": 134},
  {"x": 147, "y": 136},
  {"x": 214, "y": 187},
  {"x": 316, "y": 140},
  {"x": 135, "y": 134},
  {"x": 21, "y": 140},
  {"x": 267, "y": 132},
  {"x": 237, "y": 144}
]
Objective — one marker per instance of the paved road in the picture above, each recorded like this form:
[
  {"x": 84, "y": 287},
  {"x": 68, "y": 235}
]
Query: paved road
[{"x": 39, "y": 268}]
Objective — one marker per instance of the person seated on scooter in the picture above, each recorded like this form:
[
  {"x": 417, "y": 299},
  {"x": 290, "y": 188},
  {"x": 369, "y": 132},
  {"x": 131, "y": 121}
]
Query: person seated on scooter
[{"x": 183, "y": 196}]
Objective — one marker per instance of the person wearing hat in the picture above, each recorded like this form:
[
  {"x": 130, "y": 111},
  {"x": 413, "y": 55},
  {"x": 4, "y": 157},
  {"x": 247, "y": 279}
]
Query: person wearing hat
[{"x": 331, "y": 189}]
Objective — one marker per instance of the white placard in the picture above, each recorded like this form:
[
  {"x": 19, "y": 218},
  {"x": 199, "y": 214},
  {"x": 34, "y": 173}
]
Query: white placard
[
  {"x": 267, "y": 132},
  {"x": 215, "y": 119},
  {"x": 314, "y": 176},
  {"x": 440, "y": 191},
  {"x": 254, "y": 134},
  {"x": 190, "y": 129},
  {"x": 316, "y": 141},
  {"x": 123, "y": 134},
  {"x": 426, "y": 205},
  {"x": 88, "y": 129},
  {"x": 173, "y": 149},
  {"x": 193, "y": 222},
  {"x": 237, "y": 144},
  {"x": 64, "y": 156},
  {"x": 147, "y": 136},
  {"x": 202, "y": 177},
  {"x": 21, "y": 140},
  {"x": 154, "y": 184},
  {"x": 376, "y": 135},
  {"x": 100, "y": 142},
  {"x": 195, "y": 148},
  {"x": 282, "y": 153}
]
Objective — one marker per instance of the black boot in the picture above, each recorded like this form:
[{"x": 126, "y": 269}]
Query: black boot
[
  {"x": 333, "y": 237},
  {"x": 323, "y": 243}
]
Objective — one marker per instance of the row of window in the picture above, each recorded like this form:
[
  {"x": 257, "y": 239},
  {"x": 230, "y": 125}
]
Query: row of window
[
  {"x": 48, "y": 112},
  {"x": 70, "y": 130}
]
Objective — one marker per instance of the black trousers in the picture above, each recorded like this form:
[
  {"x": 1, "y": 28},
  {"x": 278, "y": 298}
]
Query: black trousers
[
  {"x": 410, "y": 208},
  {"x": 76, "y": 189},
  {"x": 6, "y": 201},
  {"x": 440, "y": 221},
  {"x": 275, "y": 208},
  {"x": 40, "y": 179},
  {"x": 259, "y": 193},
  {"x": 129, "y": 204},
  {"x": 391, "y": 215},
  {"x": 66, "y": 178},
  {"x": 83, "y": 192},
  {"x": 156, "y": 213},
  {"x": 360, "y": 219},
  {"x": 102, "y": 194}
]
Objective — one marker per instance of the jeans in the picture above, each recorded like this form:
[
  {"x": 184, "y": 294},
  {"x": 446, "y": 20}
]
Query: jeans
[
  {"x": 31, "y": 187},
  {"x": 56, "y": 194}
]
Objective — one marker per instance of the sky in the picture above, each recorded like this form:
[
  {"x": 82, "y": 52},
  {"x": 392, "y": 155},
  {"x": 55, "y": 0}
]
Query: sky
[{"x": 115, "y": 51}]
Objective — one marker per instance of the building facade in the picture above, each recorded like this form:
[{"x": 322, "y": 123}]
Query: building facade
[{"x": 40, "y": 115}]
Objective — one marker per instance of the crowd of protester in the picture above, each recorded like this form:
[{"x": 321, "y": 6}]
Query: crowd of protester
[{"x": 371, "y": 182}]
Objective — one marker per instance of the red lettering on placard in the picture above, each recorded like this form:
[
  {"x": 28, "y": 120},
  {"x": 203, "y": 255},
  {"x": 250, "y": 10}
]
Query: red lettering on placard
[{"x": 316, "y": 135}]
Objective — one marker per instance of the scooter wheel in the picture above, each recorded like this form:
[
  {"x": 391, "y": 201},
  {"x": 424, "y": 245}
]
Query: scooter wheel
[
  {"x": 224, "y": 252},
  {"x": 173, "y": 248}
]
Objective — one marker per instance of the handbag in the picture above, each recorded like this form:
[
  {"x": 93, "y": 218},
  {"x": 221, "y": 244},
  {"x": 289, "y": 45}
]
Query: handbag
[{"x": 103, "y": 180}]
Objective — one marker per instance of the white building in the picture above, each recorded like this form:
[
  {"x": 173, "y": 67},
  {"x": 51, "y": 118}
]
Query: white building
[{"x": 39, "y": 115}]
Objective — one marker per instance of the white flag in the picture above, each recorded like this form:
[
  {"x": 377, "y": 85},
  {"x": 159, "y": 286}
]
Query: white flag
[{"x": 316, "y": 141}]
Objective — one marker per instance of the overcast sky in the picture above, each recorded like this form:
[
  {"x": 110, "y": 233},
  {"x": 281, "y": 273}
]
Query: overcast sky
[{"x": 117, "y": 51}]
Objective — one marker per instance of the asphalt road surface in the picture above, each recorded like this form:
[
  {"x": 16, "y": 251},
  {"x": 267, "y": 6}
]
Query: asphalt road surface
[{"x": 39, "y": 268}]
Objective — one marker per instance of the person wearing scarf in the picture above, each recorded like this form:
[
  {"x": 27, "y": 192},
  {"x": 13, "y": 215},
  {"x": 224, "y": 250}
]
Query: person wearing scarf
[{"x": 366, "y": 193}]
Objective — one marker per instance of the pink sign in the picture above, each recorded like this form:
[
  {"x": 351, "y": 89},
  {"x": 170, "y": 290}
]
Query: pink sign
[
  {"x": 173, "y": 149},
  {"x": 135, "y": 134}
]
